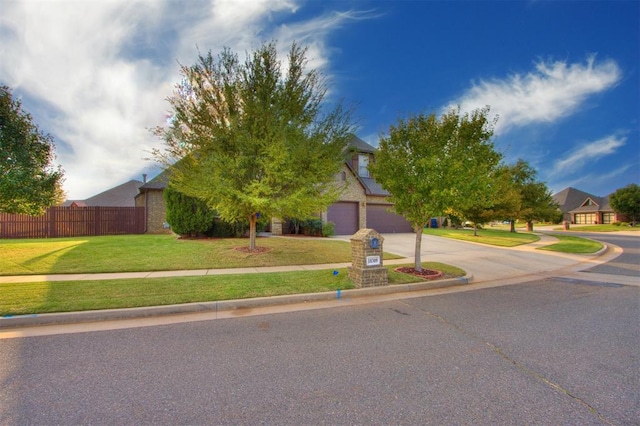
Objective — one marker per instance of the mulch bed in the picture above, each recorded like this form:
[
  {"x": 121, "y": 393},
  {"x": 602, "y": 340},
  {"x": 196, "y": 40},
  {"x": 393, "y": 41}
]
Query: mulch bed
[
  {"x": 257, "y": 250},
  {"x": 427, "y": 274}
]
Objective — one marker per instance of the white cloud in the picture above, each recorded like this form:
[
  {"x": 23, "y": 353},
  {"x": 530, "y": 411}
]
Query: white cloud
[
  {"x": 98, "y": 72},
  {"x": 590, "y": 151},
  {"x": 550, "y": 92},
  {"x": 601, "y": 180}
]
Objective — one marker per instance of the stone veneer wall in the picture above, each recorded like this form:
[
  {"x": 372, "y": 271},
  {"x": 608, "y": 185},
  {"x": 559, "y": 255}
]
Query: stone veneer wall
[
  {"x": 359, "y": 273},
  {"x": 353, "y": 191},
  {"x": 375, "y": 277},
  {"x": 276, "y": 226},
  {"x": 156, "y": 211}
]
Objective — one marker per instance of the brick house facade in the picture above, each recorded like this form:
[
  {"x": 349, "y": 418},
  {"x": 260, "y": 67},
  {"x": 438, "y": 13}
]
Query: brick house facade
[
  {"x": 581, "y": 208},
  {"x": 151, "y": 197},
  {"x": 363, "y": 203}
]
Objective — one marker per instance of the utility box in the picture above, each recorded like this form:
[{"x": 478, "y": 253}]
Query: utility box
[{"x": 366, "y": 254}]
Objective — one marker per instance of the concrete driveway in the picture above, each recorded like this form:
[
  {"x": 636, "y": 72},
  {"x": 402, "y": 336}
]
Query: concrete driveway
[{"x": 496, "y": 264}]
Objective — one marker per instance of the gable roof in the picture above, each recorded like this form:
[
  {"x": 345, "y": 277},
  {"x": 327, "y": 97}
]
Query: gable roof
[
  {"x": 159, "y": 182},
  {"x": 570, "y": 198},
  {"x": 355, "y": 145},
  {"x": 370, "y": 185},
  {"x": 358, "y": 145},
  {"x": 119, "y": 196}
]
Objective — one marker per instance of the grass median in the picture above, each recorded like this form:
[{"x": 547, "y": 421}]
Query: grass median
[
  {"x": 505, "y": 238},
  {"x": 600, "y": 228},
  {"x": 70, "y": 296},
  {"x": 485, "y": 236},
  {"x": 571, "y": 244}
]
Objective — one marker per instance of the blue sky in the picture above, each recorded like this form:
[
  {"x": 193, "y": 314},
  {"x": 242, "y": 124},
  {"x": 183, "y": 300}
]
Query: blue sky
[{"x": 562, "y": 76}]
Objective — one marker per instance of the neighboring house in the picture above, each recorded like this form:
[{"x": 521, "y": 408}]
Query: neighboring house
[
  {"x": 580, "y": 207},
  {"x": 363, "y": 203},
  {"x": 150, "y": 196},
  {"x": 119, "y": 196}
]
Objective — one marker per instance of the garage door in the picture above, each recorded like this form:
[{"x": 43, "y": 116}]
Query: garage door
[
  {"x": 345, "y": 216},
  {"x": 383, "y": 221}
]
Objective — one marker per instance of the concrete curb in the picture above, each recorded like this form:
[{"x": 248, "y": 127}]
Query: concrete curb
[{"x": 33, "y": 320}]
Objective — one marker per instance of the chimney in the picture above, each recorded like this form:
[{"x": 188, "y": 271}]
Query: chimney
[{"x": 144, "y": 178}]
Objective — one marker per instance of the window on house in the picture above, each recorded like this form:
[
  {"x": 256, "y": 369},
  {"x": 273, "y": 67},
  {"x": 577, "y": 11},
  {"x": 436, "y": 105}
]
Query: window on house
[{"x": 363, "y": 164}]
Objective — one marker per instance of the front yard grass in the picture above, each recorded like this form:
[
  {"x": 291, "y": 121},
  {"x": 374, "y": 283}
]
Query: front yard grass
[
  {"x": 70, "y": 296},
  {"x": 493, "y": 237},
  {"x": 134, "y": 253}
]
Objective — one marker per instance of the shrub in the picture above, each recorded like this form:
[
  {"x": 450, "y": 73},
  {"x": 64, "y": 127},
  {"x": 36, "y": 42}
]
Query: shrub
[
  {"x": 558, "y": 218},
  {"x": 312, "y": 227},
  {"x": 222, "y": 229},
  {"x": 188, "y": 216},
  {"x": 328, "y": 229}
]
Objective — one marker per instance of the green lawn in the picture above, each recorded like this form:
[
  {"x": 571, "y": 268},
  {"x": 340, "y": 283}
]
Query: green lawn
[
  {"x": 495, "y": 237},
  {"x": 571, "y": 244},
  {"x": 504, "y": 238},
  {"x": 69, "y": 296},
  {"x": 131, "y": 253},
  {"x": 162, "y": 252}
]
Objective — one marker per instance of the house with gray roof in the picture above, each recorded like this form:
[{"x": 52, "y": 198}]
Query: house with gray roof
[
  {"x": 363, "y": 203},
  {"x": 579, "y": 207}
]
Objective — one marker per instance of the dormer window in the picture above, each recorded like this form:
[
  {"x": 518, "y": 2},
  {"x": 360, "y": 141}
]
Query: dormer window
[{"x": 363, "y": 164}]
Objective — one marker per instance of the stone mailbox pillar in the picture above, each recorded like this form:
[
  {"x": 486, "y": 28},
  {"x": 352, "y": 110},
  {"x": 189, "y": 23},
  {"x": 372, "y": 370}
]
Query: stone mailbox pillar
[{"x": 366, "y": 254}]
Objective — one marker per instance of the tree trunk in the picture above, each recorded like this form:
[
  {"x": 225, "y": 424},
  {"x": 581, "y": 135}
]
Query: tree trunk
[
  {"x": 253, "y": 219},
  {"x": 513, "y": 225},
  {"x": 530, "y": 226},
  {"x": 418, "y": 260},
  {"x": 475, "y": 230}
]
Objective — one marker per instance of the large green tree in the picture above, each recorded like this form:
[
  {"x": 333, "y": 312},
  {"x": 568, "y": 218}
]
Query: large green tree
[
  {"x": 29, "y": 183},
  {"x": 626, "y": 201},
  {"x": 434, "y": 165},
  {"x": 534, "y": 199},
  {"x": 250, "y": 138}
]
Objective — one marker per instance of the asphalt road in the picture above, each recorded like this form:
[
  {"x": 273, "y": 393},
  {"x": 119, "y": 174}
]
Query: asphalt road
[
  {"x": 547, "y": 352},
  {"x": 628, "y": 263}
]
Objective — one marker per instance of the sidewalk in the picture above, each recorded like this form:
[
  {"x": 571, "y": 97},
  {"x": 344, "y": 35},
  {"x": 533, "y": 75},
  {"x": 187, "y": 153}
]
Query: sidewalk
[{"x": 485, "y": 265}]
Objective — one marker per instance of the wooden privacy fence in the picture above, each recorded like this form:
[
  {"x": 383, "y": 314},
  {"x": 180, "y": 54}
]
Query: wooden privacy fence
[{"x": 74, "y": 222}]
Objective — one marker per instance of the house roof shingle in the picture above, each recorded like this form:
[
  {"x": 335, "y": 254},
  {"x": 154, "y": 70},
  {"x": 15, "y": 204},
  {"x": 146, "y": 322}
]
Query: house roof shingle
[
  {"x": 570, "y": 198},
  {"x": 158, "y": 182},
  {"x": 358, "y": 145},
  {"x": 119, "y": 196}
]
